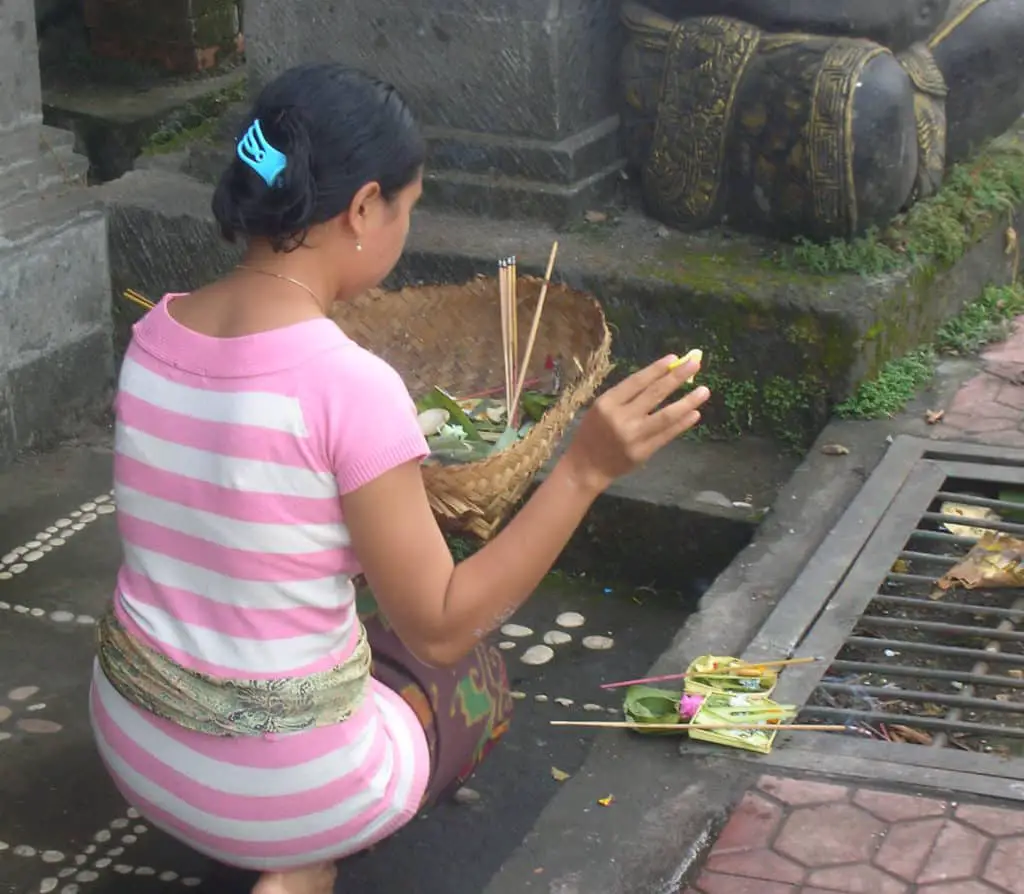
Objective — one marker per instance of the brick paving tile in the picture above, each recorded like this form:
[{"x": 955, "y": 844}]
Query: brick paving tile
[
  {"x": 1006, "y": 865},
  {"x": 801, "y": 836},
  {"x": 893, "y": 807},
  {"x": 859, "y": 879},
  {"x": 958, "y": 854},
  {"x": 907, "y": 846},
  {"x": 801, "y": 792}
]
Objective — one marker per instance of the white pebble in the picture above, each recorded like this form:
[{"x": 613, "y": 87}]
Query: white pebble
[
  {"x": 52, "y": 857},
  {"x": 58, "y": 541},
  {"x": 540, "y": 698},
  {"x": 89, "y": 849},
  {"x": 614, "y": 711},
  {"x": 62, "y": 523},
  {"x": 564, "y": 702},
  {"x": 145, "y": 870},
  {"x": 19, "y": 550},
  {"x": 506, "y": 645},
  {"x": 85, "y": 620},
  {"x": 37, "y": 612},
  {"x": 115, "y": 852},
  {"x": 17, "y": 569},
  {"x": 191, "y": 882},
  {"x": 62, "y": 617},
  {"x": 102, "y": 498},
  {"x": 24, "y": 850},
  {"x": 517, "y": 695},
  {"x": 78, "y": 526},
  {"x": 70, "y": 889},
  {"x": 106, "y": 509},
  {"x": 4, "y": 846},
  {"x": 168, "y": 876},
  {"x": 65, "y": 873},
  {"x": 102, "y": 835},
  {"x": 33, "y": 544},
  {"x": 76, "y": 514},
  {"x": 598, "y": 643},
  {"x": 89, "y": 517},
  {"x": 42, "y": 535},
  {"x": 87, "y": 876},
  {"x": 516, "y": 631},
  {"x": 4, "y": 606},
  {"x": 557, "y": 638},
  {"x": 102, "y": 862},
  {"x": 132, "y": 812},
  {"x": 21, "y": 609},
  {"x": 46, "y": 548},
  {"x": 51, "y": 530},
  {"x": 4, "y": 737},
  {"x": 9, "y": 559},
  {"x": 121, "y": 869},
  {"x": 537, "y": 655},
  {"x": 33, "y": 556},
  {"x": 120, "y": 823},
  {"x": 592, "y": 707},
  {"x": 570, "y": 619},
  {"x": 5, "y": 575},
  {"x": 39, "y": 707},
  {"x": 81, "y": 860},
  {"x": 140, "y": 830},
  {"x": 128, "y": 839},
  {"x": 47, "y": 885},
  {"x": 87, "y": 507}
]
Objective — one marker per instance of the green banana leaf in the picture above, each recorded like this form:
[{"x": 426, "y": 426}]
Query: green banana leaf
[
  {"x": 441, "y": 399},
  {"x": 647, "y": 704}
]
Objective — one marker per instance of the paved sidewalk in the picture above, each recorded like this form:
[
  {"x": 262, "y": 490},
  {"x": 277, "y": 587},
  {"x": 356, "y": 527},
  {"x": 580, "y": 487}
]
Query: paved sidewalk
[{"x": 797, "y": 835}]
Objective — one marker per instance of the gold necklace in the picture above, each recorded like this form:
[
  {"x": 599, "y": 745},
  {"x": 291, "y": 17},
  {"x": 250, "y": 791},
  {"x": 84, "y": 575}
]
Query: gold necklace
[{"x": 281, "y": 276}]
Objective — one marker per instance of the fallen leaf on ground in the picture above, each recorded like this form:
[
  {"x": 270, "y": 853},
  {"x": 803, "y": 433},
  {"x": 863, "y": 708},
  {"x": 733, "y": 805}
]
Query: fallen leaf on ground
[
  {"x": 906, "y": 734},
  {"x": 933, "y": 417},
  {"x": 835, "y": 450},
  {"x": 559, "y": 775},
  {"x": 595, "y": 217},
  {"x": 606, "y": 802},
  {"x": 996, "y": 560}
]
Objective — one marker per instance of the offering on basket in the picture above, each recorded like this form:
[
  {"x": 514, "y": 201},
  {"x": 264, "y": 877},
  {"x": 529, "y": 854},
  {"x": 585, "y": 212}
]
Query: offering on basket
[
  {"x": 492, "y": 413},
  {"x": 737, "y": 711}
]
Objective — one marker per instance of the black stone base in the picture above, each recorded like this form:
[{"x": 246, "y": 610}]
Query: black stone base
[{"x": 510, "y": 177}]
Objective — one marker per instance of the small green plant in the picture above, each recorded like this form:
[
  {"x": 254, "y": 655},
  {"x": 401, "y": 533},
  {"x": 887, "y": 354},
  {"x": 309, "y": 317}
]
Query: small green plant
[
  {"x": 981, "y": 322},
  {"x": 941, "y": 228}
]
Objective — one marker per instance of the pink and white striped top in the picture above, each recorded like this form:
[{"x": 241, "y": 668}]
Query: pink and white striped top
[{"x": 230, "y": 459}]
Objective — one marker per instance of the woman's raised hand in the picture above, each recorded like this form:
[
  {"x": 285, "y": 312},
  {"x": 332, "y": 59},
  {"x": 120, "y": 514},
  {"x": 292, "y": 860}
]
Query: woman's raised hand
[{"x": 631, "y": 422}]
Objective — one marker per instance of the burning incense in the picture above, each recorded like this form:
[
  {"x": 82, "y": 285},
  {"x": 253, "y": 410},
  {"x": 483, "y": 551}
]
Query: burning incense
[
  {"x": 534, "y": 327},
  {"x": 726, "y": 673},
  {"x": 668, "y": 727},
  {"x": 136, "y": 298}
]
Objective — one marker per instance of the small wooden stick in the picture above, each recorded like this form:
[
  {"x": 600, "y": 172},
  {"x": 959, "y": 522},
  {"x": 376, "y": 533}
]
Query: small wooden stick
[
  {"x": 503, "y": 300},
  {"x": 788, "y": 662},
  {"x": 535, "y": 326},
  {"x": 665, "y": 727},
  {"x": 513, "y": 310}
]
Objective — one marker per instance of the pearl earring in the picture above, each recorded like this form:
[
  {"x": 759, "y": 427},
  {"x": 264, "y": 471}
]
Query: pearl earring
[{"x": 359, "y": 246}]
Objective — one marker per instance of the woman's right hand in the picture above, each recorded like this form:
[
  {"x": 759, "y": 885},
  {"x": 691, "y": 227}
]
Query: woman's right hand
[{"x": 627, "y": 424}]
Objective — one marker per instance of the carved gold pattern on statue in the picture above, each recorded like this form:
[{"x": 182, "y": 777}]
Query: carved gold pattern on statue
[
  {"x": 705, "y": 61},
  {"x": 930, "y": 92},
  {"x": 830, "y": 131}
]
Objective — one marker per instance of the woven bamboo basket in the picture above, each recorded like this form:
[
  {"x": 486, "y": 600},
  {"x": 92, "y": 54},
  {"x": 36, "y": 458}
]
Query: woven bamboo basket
[{"x": 450, "y": 336}]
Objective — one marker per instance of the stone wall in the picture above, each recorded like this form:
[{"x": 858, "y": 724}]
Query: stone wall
[
  {"x": 55, "y": 331},
  {"x": 182, "y": 36}
]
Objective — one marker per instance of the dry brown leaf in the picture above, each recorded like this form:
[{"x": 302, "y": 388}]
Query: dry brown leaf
[
  {"x": 835, "y": 450},
  {"x": 914, "y": 736},
  {"x": 996, "y": 560},
  {"x": 595, "y": 217},
  {"x": 933, "y": 417}
]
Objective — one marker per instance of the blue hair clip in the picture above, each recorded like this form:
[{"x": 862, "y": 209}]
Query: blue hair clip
[{"x": 259, "y": 155}]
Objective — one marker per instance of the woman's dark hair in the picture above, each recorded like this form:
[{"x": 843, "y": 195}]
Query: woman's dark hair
[{"x": 339, "y": 129}]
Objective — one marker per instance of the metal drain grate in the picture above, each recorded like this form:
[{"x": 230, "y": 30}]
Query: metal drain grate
[{"x": 922, "y": 678}]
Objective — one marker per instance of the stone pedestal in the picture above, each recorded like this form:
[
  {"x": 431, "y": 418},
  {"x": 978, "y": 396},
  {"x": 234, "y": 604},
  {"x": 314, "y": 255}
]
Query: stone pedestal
[
  {"x": 55, "y": 353},
  {"x": 516, "y": 96}
]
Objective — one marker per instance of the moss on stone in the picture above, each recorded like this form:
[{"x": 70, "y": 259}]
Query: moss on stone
[
  {"x": 939, "y": 229},
  {"x": 194, "y": 122}
]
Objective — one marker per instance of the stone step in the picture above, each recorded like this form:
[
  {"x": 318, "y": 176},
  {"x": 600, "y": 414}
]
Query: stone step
[{"x": 55, "y": 168}]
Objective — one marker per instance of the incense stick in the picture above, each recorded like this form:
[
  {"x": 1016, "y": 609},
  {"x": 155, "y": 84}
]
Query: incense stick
[
  {"x": 503, "y": 302},
  {"x": 138, "y": 299},
  {"x": 512, "y": 413},
  {"x": 534, "y": 326},
  {"x": 665, "y": 727},
  {"x": 788, "y": 662}
]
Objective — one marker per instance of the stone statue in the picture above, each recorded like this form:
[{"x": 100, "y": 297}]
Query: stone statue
[{"x": 813, "y": 118}]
